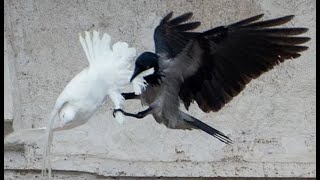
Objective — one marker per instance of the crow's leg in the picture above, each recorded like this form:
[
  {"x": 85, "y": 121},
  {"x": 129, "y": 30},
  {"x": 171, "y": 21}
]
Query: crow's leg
[
  {"x": 130, "y": 95},
  {"x": 139, "y": 115}
]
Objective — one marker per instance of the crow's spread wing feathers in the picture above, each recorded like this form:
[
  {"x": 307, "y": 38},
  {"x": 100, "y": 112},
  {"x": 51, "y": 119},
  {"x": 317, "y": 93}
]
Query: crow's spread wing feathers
[
  {"x": 171, "y": 36},
  {"x": 230, "y": 55}
]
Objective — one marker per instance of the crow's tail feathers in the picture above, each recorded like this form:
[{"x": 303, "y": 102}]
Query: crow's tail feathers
[{"x": 208, "y": 129}]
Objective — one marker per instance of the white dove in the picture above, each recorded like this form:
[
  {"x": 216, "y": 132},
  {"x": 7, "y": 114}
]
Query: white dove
[{"x": 106, "y": 76}]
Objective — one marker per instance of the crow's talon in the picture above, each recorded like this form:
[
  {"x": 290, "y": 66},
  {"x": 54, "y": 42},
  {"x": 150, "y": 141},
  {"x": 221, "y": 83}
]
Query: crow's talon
[
  {"x": 139, "y": 115},
  {"x": 114, "y": 112}
]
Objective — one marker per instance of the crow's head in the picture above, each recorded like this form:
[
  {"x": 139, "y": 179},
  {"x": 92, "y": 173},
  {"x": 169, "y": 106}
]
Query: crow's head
[{"x": 145, "y": 61}]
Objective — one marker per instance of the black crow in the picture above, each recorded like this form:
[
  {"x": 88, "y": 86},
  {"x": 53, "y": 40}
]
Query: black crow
[{"x": 209, "y": 67}]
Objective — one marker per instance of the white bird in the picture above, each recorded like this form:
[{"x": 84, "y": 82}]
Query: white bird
[{"x": 106, "y": 76}]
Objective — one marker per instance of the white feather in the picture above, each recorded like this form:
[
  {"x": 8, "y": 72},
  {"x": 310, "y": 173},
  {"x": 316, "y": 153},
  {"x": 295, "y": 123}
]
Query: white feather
[
  {"x": 107, "y": 74},
  {"x": 139, "y": 83}
]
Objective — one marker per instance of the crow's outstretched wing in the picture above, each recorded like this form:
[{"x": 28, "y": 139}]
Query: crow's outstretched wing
[
  {"x": 230, "y": 56},
  {"x": 172, "y": 36}
]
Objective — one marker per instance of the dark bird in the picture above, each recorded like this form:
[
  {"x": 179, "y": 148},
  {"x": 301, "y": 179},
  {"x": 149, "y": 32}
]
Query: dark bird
[{"x": 209, "y": 67}]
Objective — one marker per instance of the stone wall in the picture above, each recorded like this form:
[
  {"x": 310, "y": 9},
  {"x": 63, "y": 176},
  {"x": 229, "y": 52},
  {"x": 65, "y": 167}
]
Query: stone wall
[{"x": 272, "y": 122}]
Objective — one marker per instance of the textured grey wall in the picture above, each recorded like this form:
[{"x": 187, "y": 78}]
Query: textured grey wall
[{"x": 272, "y": 122}]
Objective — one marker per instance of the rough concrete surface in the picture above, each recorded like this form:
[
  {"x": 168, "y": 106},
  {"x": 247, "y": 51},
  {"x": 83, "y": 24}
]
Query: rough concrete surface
[{"x": 272, "y": 122}]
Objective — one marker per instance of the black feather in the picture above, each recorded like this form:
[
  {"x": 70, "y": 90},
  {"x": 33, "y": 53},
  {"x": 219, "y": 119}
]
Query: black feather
[
  {"x": 166, "y": 18},
  {"x": 275, "y": 31},
  {"x": 210, "y": 130},
  {"x": 246, "y": 21},
  {"x": 270, "y": 23},
  {"x": 187, "y": 26},
  {"x": 181, "y": 19}
]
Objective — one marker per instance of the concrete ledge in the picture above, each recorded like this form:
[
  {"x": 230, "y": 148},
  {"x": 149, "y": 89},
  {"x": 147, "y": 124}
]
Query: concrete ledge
[
  {"x": 112, "y": 167},
  {"x": 32, "y": 174}
]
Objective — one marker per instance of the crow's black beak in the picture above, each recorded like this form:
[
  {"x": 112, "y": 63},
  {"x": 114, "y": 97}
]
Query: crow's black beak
[{"x": 137, "y": 71}]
